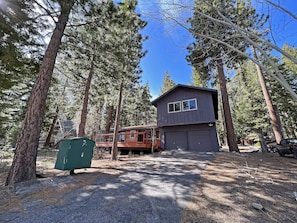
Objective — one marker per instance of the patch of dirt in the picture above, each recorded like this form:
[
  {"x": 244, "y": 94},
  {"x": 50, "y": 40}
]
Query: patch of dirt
[
  {"x": 45, "y": 164},
  {"x": 233, "y": 182},
  {"x": 228, "y": 187}
]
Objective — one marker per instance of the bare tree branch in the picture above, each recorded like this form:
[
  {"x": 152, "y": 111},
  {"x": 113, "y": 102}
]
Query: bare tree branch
[
  {"x": 282, "y": 9},
  {"x": 46, "y": 10},
  {"x": 247, "y": 35},
  {"x": 276, "y": 76}
]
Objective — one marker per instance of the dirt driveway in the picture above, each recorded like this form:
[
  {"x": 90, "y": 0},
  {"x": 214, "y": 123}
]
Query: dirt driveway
[
  {"x": 168, "y": 187},
  {"x": 154, "y": 188}
]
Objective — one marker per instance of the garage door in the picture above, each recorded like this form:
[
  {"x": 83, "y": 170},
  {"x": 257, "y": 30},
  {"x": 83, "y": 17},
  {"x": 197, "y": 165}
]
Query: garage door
[
  {"x": 199, "y": 141},
  {"x": 175, "y": 140}
]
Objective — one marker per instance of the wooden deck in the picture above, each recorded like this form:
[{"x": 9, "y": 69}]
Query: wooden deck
[{"x": 132, "y": 138}]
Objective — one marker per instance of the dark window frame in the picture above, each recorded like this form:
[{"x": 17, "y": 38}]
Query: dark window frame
[{"x": 173, "y": 107}]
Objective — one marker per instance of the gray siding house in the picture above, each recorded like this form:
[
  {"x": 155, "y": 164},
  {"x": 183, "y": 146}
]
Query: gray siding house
[{"x": 186, "y": 117}]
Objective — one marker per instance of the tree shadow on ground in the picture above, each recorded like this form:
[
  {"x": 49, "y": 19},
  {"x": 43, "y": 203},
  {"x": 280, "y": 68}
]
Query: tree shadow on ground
[
  {"x": 233, "y": 182},
  {"x": 153, "y": 188}
]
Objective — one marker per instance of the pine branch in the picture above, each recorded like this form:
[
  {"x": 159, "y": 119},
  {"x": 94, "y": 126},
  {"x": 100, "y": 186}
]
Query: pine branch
[
  {"x": 46, "y": 10},
  {"x": 245, "y": 34}
]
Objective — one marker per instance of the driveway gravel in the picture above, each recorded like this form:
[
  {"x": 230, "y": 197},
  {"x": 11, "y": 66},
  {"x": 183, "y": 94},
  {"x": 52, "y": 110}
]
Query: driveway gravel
[{"x": 150, "y": 189}]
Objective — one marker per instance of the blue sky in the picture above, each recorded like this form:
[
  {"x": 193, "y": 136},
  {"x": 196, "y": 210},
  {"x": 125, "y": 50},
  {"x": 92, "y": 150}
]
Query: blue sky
[{"x": 166, "y": 44}]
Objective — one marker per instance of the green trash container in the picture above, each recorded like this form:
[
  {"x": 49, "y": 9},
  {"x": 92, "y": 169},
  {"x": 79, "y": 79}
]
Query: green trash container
[{"x": 74, "y": 153}]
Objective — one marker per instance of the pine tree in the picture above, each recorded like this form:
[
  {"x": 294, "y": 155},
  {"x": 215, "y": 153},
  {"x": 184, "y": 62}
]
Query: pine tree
[
  {"x": 111, "y": 38},
  {"x": 19, "y": 32},
  {"x": 199, "y": 79},
  {"x": 24, "y": 162},
  {"x": 128, "y": 52},
  {"x": 137, "y": 108},
  {"x": 148, "y": 110},
  {"x": 288, "y": 106},
  {"x": 168, "y": 83},
  {"x": 274, "y": 117},
  {"x": 11, "y": 116},
  {"x": 256, "y": 36},
  {"x": 250, "y": 117},
  {"x": 19, "y": 62},
  {"x": 207, "y": 53},
  {"x": 284, "y": 104}
]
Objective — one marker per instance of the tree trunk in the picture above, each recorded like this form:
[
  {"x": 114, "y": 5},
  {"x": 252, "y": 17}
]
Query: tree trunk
[
  {"x": 262, "y": 141},
  {"x": 231, "y": 138},
  {"x": 49, "y": 136},
  {"x": 23, "y": 167},
  {"x": 84, "y": 111},
  {"x": 96, "y": 125},
  {"x": 274, "y": 118},
  {"x": 50, "y": 133},
  {"x": 109, "y": 119},
  {"x": 224, "y": 136},
  {"x": 114, "y": 149}
]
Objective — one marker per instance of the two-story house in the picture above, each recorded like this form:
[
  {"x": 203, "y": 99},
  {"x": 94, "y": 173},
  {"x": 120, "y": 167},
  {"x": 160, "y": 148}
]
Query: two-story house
[{"x": 186, "y": 116}]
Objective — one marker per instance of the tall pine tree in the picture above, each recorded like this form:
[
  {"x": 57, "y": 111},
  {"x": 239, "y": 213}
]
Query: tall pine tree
[
  {"x": 24, "y": 162},
  {"x": 218, "y": 42},
  {"x": 168, "y": 83}
]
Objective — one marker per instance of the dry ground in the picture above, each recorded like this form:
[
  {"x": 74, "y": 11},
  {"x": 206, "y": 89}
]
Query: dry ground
[
  {"x": 233, "y": 182},
  {"x": 228, "y": 187}
]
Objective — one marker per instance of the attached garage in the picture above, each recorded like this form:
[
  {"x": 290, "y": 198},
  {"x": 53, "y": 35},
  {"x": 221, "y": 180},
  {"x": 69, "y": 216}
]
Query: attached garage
[
  {"x": 176, "y": 140},
  {"x": 200, "y": 138}
]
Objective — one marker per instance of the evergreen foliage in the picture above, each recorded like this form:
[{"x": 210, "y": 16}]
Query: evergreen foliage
[
  {"x": 19, "y": 31},
  {"x": 247, "y": 101},
  {"x": 199, "y": 79},
  {"x": 23, "y": 167},
  {"x": 285, "y": 104},
  {"x": 217, "y": 27},
  {"x": 168, "y": 83},
  {"x": 20, "y": 54},
  {"x": 208, "y": 28},
  {"x": 108, "y": 34},
  {"x": 137, "y": 108}
]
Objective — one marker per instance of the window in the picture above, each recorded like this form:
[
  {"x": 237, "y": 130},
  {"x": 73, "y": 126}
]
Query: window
[
  {"x": 122, "y": 137},
  {"x": 185, "y": 105},
  {"x": 132, "y": 134},
  {"x": 190, "y": 104},
  {"x": 174, "y": 107},
  {"x": 157, "y": 134},
  {"x": 140, "y": 138}
]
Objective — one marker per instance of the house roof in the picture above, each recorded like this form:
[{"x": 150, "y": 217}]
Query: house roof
[
  {"x": 138, "y": 127},
  {"x": 213, "y": 91}
]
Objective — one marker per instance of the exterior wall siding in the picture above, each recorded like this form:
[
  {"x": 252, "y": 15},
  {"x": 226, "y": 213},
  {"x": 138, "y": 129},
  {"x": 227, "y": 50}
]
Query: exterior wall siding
[
  {"x": 192, "y": 130},
  {"x": 203, "y": 114}
]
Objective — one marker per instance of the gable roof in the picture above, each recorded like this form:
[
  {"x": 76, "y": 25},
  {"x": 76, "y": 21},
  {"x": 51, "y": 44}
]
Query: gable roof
[
  {"x": 154, "y": 102},
  {"x": 213, "y": 92}
]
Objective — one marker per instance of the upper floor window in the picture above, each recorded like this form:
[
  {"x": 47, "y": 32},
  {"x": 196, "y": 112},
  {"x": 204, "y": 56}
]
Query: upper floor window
[
  {"x": 189, "y": 105},
  {"x": 185, "y": 105},
  {"x": 174, "y": 107}
]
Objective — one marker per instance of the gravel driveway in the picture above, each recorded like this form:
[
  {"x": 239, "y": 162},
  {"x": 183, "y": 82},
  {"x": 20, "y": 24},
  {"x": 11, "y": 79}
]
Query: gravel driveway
[{"x": 151, "y": 189}]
